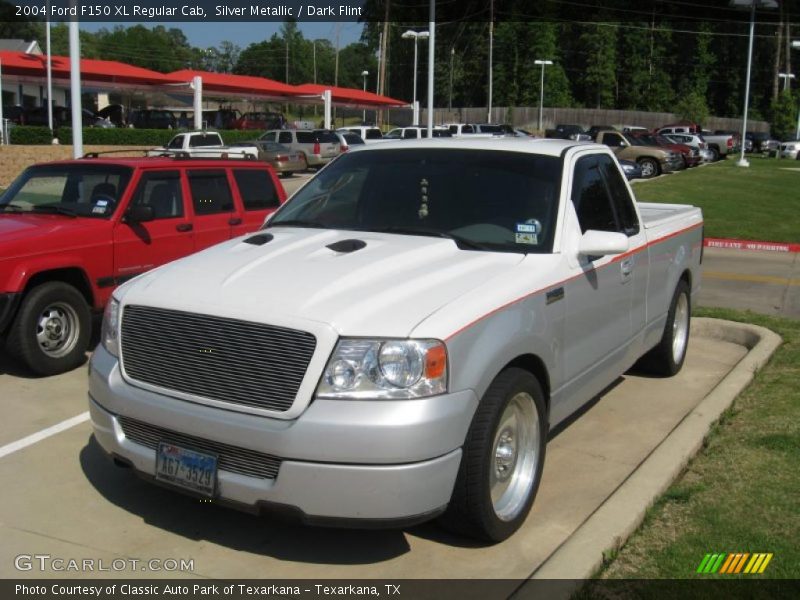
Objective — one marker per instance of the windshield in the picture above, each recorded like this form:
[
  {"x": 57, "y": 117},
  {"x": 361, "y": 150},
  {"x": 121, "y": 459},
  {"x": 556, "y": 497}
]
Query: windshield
[
  {"x": 83, "y": 190},
  {"x": 483, "y": 199}
]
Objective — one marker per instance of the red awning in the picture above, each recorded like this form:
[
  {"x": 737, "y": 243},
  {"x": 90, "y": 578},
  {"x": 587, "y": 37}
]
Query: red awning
[
  {"x": 236, "y": 84},
  {"x": 351, "y": 96},
  {"x": 92, "y": 70}
]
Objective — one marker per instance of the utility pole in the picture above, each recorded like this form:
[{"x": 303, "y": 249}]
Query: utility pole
[
  {"x": 287, "y": 59},
  {"x": 336, "y": 71},
  {"x": 450, "y": 97},
  {"x": 431, "y": 63},
  {"x": 384, "y": 54}
]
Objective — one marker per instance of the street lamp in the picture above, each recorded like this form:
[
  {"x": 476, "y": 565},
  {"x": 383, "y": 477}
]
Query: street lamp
[
  {"x": 543, "y": 63},
  {"x": 751, "y": 4},
  {"x": 364, "y": 75},
  {"x": 415, "y": 35},
  {"x": 786, "y": 77}
]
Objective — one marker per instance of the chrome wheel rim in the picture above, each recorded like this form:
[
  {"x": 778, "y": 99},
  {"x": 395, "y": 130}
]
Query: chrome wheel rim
[
  {"x": 515, "y": 457},
  {"x": 647, "y": 169},
  {"x": 57, "y": 329},
  {"x": 680, "y": 328}
]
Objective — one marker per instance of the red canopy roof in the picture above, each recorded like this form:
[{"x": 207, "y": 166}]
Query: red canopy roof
[
  {"x": 349, "y": 95},
  {"x": 92, "y": 70},
  {"x": 236, "y": 84}
]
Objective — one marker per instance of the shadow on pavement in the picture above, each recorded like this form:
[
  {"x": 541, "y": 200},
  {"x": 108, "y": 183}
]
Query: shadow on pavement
[{"x": 265, "y": 535}]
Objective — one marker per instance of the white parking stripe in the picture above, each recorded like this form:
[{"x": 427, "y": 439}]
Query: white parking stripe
[{"x": 43, "y": 434}]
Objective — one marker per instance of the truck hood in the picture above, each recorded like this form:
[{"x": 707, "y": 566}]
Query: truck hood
[
  {"x": 20, "y": 231},
  {"x": 384, "y": 288}
]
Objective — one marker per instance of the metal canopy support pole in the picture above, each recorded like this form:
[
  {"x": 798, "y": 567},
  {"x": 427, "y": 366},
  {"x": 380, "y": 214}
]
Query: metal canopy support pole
[
  {"x": 491, "y": 52},
  {"x": 49, "y": 74},
  {"x": 743, "y": 162},
  {"x": 327, "y": 100},
  {"x": 197, "y": 86},
  {"x": 431, "y": 53},
  {"x": 75, "y": 87}
]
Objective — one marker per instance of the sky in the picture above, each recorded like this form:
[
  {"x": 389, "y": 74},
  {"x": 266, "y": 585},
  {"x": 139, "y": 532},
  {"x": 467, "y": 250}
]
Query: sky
[{"x": 205, "y": 35}]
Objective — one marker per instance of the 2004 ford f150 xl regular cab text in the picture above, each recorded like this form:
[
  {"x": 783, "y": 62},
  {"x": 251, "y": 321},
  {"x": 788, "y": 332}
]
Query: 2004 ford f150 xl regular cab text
[{"x": 398, "y": 339}]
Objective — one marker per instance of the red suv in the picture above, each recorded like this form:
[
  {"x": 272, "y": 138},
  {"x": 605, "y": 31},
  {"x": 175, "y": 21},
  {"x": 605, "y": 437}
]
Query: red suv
[{"x": 70, "y": 231}]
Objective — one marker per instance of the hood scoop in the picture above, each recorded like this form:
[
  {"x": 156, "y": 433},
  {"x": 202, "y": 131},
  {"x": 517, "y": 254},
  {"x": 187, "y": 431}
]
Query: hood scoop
[
  {"x": 259, "y": 239},
  {"x": 347, "y": 246}
]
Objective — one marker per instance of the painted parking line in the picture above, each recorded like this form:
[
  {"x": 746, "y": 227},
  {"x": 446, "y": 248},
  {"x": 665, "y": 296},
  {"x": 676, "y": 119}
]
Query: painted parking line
[
  {"x": 43, "y": 434},
  {"x": 751, "y": 278}
]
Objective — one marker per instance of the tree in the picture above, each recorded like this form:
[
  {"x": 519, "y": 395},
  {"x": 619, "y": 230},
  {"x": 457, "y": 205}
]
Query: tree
[
  {"x": 599, "y": 81},
  {"x": 692, "y": 106},
  {"x": 784, "y": 116}
]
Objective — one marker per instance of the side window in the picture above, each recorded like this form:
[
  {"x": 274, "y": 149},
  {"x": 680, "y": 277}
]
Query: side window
[
  {"x": 256, "y": 189},
  {"x": 285, "y": 137},
  {"x": 614, "y": 140},
  {"x": 590, "y": 198},
  {"x": 210, "y": 192},
  {"x": 269, "y": 137},
  {"x": 410, "y": 134},
  {"x": 176, "y": 143},
  {"x": 160, "y": 190},
  {"x": 620, "y": 197},
  {"x": 468, "y": 129}
]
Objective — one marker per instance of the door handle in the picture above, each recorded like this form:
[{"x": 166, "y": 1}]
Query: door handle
[
  {"x": 184, "y": 227},
  {"x": 626, "y": 268},
  {"x": 234, "y": 221}
]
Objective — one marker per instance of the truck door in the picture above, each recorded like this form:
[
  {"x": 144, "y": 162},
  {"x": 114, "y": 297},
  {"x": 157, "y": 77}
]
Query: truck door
[
  {"x": 139, "y": 247},
  {"x": 598, "y": 291},
  {"x": 212, "y": 204}
]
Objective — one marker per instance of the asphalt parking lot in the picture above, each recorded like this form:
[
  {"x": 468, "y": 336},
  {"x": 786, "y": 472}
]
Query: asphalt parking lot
[{"x": 65, "y": 499}]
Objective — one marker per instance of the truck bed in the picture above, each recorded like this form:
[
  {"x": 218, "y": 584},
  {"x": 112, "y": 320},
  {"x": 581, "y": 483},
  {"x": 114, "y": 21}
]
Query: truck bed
[{"x": 662, "y": 219}]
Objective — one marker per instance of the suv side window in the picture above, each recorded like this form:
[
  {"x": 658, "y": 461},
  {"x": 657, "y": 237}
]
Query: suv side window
[
  {"x": 590, "y": 197},
  {"x": 285, "y": 137},
  {"x": 211, "y": 193},
  {"x": 614, "y": 140},
  {"x": 256, "y": 189},
  {"x": 410, "y": 134},
  {"x": 176, "y": 143},
  {"x": 622, "y": 203},
  {"x": 160, "y": 190}
]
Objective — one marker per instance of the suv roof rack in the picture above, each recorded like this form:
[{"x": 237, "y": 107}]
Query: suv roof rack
[
  {"x": 198, "y": 154},
  {"x": 104, "y": 152}
]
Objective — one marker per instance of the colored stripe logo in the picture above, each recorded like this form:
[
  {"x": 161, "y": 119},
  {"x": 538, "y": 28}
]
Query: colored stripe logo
[{"x": 731, "y": 563}]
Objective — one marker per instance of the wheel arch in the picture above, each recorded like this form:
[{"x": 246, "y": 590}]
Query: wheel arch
[
  {"x": 536, "y": 367},
  {"x": 73, "y": 276}
]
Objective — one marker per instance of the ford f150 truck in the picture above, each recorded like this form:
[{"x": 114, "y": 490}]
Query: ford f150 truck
[
  {"x": 204, "y": 144},
  {"x": 71, "y": 231},
  {"x": 399, "y": 338}
]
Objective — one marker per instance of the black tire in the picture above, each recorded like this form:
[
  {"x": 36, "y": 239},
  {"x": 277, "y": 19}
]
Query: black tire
[
  {"x": 471, "y": 511},
  {"x": 70, "y": 321},
  {"x": 663, "y": 359},
  {"x": 714, "y": 153},
  {"x": 650, "y": 168}
]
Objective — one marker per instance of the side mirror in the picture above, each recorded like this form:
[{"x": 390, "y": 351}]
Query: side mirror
[
  {"x": 600, "y": 243},
  {"x": 139, "y": 213}
]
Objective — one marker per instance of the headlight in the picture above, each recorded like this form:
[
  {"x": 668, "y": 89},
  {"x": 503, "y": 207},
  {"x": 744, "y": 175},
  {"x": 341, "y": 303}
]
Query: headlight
[
  {"x": 109, "y": 335},
  {"x": 385, "y": 369}
]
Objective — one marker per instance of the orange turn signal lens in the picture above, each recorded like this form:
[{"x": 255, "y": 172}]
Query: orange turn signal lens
[{"x": 435, "y": 362}]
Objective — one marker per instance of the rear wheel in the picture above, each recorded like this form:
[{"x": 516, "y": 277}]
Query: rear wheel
[
  {"x": 51, "y": 331},
  {"x": 668, "y": 356},
  {"x": 649, "y": 167},
  {"x": 502, "y": 460},
  {"x": 714, "y": 153}
]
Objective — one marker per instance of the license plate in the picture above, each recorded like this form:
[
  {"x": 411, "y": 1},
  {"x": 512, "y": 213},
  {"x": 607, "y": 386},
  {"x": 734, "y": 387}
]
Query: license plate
[{"x": 186, "y": 468}]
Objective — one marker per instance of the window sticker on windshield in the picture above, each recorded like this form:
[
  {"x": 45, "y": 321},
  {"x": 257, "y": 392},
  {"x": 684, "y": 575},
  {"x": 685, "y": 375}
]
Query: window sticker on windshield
[
  {"x": 528, "y": 232},
  {"x": 99, "y": 207}
]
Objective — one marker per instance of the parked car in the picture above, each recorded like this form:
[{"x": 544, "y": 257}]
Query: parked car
[
  {"x": 152, "y": 118},
  {"x": 568, "y": 132},
  {"x": 763, "y": 142},
  {"x": 260, "y": 120},
  {"x": 71, "y": 231},
  {"x": 347, "y": 139},
  {"x": 115, "y": 113},
  {"x": 631, "y": 169},
  {"x": 62, "y": 117},
  {"x": 594, "y": 130},
  {"x": 283, "y": 159},
  {"x": 689, "y": 155},
  {"x": 398, "y": 341},
  {"x": 416, "y": 133},
  {"x": 790, "y": 149},
  {"x": 318, "y": 146},
  {"x": 204, "y": 144},
  {"x": 459, "y": 129},
  {"x": 367, "y": 133},
  {"x": 654, "y": 160},
  {"x": 719, "y": 145},
  {"x": 15, "y": 114}
]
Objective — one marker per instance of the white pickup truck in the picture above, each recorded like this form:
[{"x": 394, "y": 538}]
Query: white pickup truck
[
  {"x": 399, "y": 338},
  {"x": 204, "y": 144}
]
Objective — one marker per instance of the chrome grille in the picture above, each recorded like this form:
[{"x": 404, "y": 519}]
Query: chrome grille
[
  {"x": 229, "y": 458},
  {"x": 240, "y": 362}
]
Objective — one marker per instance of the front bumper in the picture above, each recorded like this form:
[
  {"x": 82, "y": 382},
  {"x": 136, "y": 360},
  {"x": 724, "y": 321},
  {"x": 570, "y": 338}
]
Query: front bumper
[{"x": 366, "y": 462}]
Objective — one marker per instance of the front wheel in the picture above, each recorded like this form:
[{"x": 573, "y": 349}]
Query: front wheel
[
  {"x": 668, "y": 356},
  {"x": 649, "y": 168},
  {"x": 51, "y": 331},
  {"x": 502, "y": 460}
]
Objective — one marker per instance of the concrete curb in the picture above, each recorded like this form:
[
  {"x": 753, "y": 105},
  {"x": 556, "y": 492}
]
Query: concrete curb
[{"x": 581, "y": 555}]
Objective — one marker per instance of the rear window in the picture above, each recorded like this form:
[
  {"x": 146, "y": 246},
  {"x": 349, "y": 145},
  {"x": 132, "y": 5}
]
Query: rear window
[
  {"x": 325, "y": 137},
  {"x": 256, "y": 189},
  {"x": 352, "y": 138},
  {"x": 204, "y": 140}
]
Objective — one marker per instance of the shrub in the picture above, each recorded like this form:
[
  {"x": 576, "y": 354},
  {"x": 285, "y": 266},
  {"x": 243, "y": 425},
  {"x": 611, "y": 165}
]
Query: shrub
[{"x": 29, "y": 135}]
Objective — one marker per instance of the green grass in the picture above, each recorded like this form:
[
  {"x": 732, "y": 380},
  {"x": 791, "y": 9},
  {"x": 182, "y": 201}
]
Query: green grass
[
  {"x": 741, "y": 493},
  {"x": 758, "y": 203}
]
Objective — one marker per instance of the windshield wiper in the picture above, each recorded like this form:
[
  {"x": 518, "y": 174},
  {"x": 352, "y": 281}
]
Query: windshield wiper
[
  {"x": 461, "y": 242},
  {"x": 54, "y": 208},
  {"x": 296, "y": 223},
  {"x": 12, "y": 205}
]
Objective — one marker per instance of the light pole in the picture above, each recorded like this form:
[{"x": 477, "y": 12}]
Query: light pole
[
  {"x": 415, "y": 35},
  {"x": 364, "y": 74},
  {"x": 786, "y": 77},
  {"x": 543, "y": 63},
  {"x": 751, "y": 4},
  {"x": 796, "y": 46},
  {"x": 431, "y": 63}
]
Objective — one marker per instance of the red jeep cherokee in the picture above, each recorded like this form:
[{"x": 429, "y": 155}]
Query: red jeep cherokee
[{"x": 70, "y": 231}]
